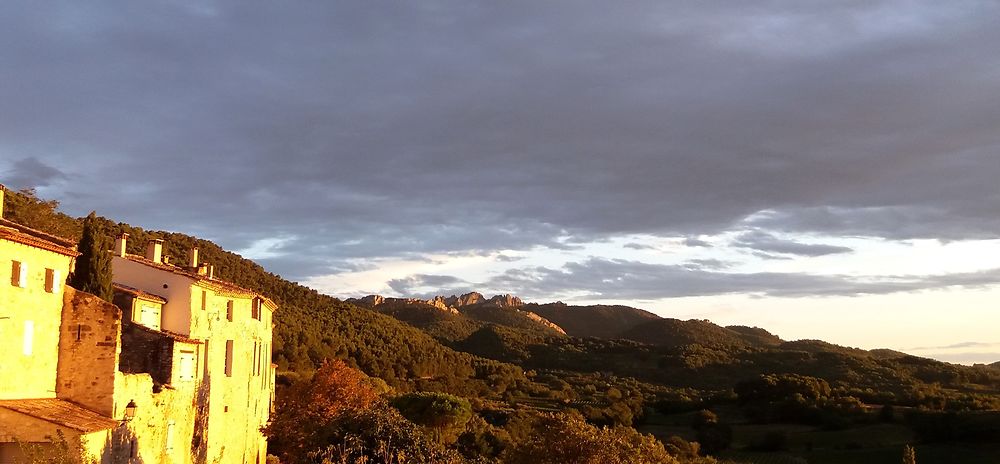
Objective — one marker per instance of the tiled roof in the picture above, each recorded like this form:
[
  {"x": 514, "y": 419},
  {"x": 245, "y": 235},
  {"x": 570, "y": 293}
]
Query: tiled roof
[
  {"x": 219, "y": 286},
  {"x": 168, "y": 334},
  {"x": 61, "y": 412},
  {"x": 15, "y": 232},
  {"x": 139, "y": 293}
]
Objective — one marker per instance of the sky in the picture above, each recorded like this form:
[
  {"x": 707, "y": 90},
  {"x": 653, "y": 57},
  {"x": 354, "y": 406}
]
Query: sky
[{"x": 825, "y": 169}]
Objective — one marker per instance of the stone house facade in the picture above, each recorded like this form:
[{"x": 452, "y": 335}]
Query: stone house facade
[{"x": 176, "y": 371}]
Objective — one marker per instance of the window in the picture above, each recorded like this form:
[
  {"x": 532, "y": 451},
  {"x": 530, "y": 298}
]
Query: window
[
  {"x": 29, "y": 337},
  {"x": 229, "y": 310},
  {"x": 52, "y": 283},
  {"x": 255, "y": 309},
  {"x": 204, "y": 300},
  {"x": 256, "y": 357},
  {"x": 187, "y": 366},
  {"x": 229, "y": 358},
  {"x": 170, "y": 436},
  {"x": 19, "y": 274},
  {"x": 149, "y": 316}
]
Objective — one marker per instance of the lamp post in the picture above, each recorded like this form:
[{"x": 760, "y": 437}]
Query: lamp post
[{"x": 129, "y": 412}]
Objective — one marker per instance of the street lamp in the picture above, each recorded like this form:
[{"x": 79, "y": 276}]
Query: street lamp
[{"x": 129, "y": 411}]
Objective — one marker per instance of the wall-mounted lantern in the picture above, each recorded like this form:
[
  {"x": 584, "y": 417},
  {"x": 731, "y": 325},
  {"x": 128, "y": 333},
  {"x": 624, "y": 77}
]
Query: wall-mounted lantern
[{"x": 129, "y": 411}]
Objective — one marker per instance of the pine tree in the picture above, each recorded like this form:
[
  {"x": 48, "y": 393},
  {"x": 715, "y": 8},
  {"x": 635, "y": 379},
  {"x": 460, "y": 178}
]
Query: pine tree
[
  {"x": 93, "y": 266},
  {"x": 909, "y": 455}
]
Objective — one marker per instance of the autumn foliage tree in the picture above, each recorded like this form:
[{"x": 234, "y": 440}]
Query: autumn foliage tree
[
  {"x": 306, "y": 407},
  {"x": 339, "y": 416}
]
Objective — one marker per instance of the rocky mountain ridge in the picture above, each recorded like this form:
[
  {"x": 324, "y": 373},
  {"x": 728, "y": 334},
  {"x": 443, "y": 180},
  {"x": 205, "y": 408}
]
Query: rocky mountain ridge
[{"x": 473, "y": 304}]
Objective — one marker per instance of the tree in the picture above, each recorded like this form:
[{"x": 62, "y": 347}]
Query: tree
[
  {"x": 445, "y": 414},
  {"x": 909, "y": 455},
  {"x": 713, "y": 435},
  {"x": 306, "y": 408},
  {"x": 568, "y": 438},
  {"x": 93, "y": 266},
  {"x": 338, "y": 416}
]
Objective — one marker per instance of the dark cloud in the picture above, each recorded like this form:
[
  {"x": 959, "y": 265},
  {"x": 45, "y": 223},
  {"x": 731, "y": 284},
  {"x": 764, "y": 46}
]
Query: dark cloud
[
  {"x": 638, "y": 246},
  {"x": 358, "y": 130},
  {"x": 768, "y": 244},
  {"x": 29, "y": 173}
]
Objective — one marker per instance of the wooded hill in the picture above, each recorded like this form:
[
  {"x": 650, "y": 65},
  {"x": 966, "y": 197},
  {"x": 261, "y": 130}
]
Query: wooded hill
[{"x": 481, "y": 349}]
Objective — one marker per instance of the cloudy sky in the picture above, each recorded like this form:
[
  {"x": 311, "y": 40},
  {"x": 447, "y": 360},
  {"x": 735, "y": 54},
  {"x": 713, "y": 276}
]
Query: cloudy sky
[{"x": 821, "y": 169}]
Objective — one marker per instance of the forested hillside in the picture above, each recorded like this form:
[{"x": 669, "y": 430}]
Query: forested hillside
[
  {"x": 310, "y": 327},
  {"x": 526, "y": 392},
  {"x": 593, "y": 321}
]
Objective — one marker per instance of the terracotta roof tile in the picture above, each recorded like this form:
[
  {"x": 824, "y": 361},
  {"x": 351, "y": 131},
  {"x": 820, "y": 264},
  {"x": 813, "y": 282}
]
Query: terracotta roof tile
[
  {"x": 139, "y": 293},
  {"x": 220, "y": 286},
  {"x": 168, "y": 334},
  {"x": 61, "y": 412},
  {"x": 22, "y": 234}
]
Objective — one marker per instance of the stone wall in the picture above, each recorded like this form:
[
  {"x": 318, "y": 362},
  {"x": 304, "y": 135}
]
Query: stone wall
[
  {"x": 146, "y": 351},
  {"x": 88, "y": 351}
]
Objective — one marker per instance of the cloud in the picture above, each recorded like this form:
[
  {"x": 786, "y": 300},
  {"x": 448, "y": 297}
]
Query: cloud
[
  {"x": 709, "y": 263},
  {"x": 32, "y": 173},
  {"x": 957, "y": 346},
  {"x": 412, "y": 286},
  {"x": 695, "y": 242},
  {"x": 610, "y": 279},
  {"x": 365, "y": 131},
  {"x": 768, "y": 243}
]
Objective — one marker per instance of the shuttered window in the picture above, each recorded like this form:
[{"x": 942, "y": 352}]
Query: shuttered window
[
  {"x": 19, "y": 274},
  {"x": 229, "y": 358},
  {"x": 187, "y": 366},
  {"x": 52, "y": 283}
]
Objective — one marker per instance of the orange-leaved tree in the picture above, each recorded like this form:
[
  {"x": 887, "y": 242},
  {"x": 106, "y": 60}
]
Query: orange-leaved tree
[{"x": 304, "y": 410}]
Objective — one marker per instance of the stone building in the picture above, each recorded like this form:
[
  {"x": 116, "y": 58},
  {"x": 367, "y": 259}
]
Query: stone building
[{"x": 177, "y": 370}]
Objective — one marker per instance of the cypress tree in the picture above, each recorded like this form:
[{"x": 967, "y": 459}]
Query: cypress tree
[{"x": 93, "y": 266}]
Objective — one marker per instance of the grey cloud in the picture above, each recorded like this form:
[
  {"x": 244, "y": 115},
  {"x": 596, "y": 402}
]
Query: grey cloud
[
  {"x": 957, "y": 346},
  {"x": 28, "y": 173},
  {"x": 437, "y": 126},
  {"x": 444, "y": 285},
  {"x": 767, "y": 243},
  {"x": 696, "y": 242},
  {"x": 638, "y": 246},
  {"x": 599, "y": 278}
]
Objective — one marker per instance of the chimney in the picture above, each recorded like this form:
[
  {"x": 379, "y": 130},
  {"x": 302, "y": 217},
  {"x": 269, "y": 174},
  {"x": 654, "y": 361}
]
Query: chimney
[
  {"x": 2, "y": 191},
  {"x": 154, "y": 250},
  {"x": 193, "y": 258},
  {"x": 211, "y": 271},
  {"x": 120, "y": 244}
]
